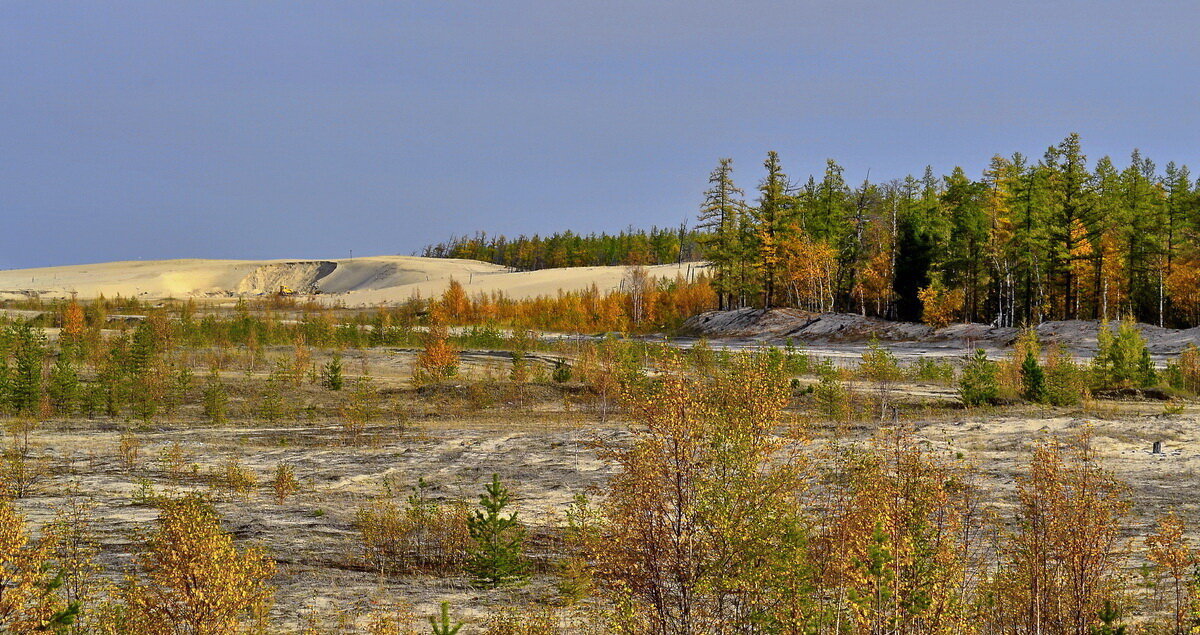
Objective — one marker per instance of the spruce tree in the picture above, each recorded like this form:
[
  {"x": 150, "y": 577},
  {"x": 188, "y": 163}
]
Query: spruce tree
[
  {"x": 443, "y": 624},
  {"x": 964, "y": 264},
  {"x": 495, "y": 559},
  {"x": 772, "y": 226},
  {"x": 331, "y": 374},
  {"x": 1033, "y": 379},
  {"x": 216, "y": 400},
  {"x": 5, "y": 371},
  {"x": 723, "y": 214},
  {"x": 29, "y": 352},
  {"x": 64, "y": 386},
  {"x": 977, "y": 385},
  {"x": 1069, "y": 202}
]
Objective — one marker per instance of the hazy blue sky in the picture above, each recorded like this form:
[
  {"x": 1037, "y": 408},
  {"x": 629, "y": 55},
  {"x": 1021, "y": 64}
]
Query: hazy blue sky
[{"x": 253, "y": 129}]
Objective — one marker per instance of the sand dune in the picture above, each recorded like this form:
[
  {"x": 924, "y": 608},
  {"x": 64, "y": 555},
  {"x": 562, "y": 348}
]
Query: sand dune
[{"x": 355, "y": 282}]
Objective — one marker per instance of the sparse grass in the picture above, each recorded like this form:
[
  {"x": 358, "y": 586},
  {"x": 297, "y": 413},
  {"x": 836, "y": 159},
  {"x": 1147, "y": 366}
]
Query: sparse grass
[{"x": 290, "y": 481}]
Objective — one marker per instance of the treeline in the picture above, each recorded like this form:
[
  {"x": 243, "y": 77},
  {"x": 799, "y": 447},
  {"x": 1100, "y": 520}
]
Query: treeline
[
  {"x": 1030, "y": 240},
  {"x": 641, "y": 304},
  {"x": 659, "y": 246}
]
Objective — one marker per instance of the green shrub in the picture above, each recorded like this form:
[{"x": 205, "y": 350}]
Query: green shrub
[
  {"x": 798, "y": 362},
  {"x": 978, "y": 384},
  {"x": 931, "y": 369},
  {"x": 832, "y": 397},
  {"x": 562, "y": 371},
  {"x": 1122, "y": 359},
  {"x": 1183, "y": 373},
  {"x": 216, "y": 401},
  {"x": 1033, "y": 379},
  {"x": 1066, "y": 381},
  {"x": 331, "y": 374},
  {"x": 879, "y": 364}
]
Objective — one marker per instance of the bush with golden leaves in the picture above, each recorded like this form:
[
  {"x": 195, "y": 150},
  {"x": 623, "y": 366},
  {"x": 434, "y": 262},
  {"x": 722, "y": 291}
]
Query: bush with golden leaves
[
  {"x": 418, "y": 535},
  {"x": 439, "y": 360},
  {"x": 284, "y": 483},
  {"x": 1062, "y": 564},
  {"x": 701, "y": 524},
  {"x": 29, "y": 597},
  {"x": 1174, "y": 561},
  {"x": 895, "y": 548},
  {"x": 193, "y": 579}
]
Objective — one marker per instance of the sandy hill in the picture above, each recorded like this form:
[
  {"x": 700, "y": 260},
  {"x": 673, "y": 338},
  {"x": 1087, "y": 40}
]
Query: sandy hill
[{"x": 356, "y": 282}]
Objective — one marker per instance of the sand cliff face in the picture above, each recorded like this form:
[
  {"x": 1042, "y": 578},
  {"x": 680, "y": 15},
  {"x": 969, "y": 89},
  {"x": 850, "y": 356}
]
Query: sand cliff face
[
  {"x": 352, "y": 282},
  {"x": 302, "y": 277}
]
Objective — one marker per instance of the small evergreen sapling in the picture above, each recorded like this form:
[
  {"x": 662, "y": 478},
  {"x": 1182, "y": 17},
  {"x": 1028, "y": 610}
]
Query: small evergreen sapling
[
  {"x": 64, "y": 385},
  {"x": 495, "y": 559},
  {"x": 443, "y": 624},
  {"x": 216, "y": 400},
  {"x": 331, "y": 374},
  {"x": 562, "y": 371},
  {"x": 1033, "y": 379},
  {"x": 25, "y": 380},
  {"x": 978, "y": 384}
]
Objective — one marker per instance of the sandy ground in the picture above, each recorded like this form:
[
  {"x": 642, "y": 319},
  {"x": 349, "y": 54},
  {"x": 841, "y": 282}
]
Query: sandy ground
[
  {"x": 539, "y": 440},
  {"x": 831, "y": 332},
  {"x": 354, "y": 282}
]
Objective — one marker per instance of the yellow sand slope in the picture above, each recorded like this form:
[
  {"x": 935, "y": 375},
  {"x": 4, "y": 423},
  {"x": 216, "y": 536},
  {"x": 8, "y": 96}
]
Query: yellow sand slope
[{"x": 356, "y": 282}]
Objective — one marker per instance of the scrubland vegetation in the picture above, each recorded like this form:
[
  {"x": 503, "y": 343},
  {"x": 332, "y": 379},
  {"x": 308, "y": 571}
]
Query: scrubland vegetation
[{"x": 279, "y": 467}]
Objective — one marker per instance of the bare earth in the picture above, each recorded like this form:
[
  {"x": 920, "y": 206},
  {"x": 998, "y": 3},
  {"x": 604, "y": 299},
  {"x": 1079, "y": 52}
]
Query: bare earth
[{"x": 537, "y": 438}]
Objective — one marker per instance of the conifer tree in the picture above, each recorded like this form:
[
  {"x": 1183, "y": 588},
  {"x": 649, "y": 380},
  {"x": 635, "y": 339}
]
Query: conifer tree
[
  {"x": 443, "y": 624},
  {"x": 964, "y": 257},
  {"x": 331, "y": 373},
  {"x": 215, "y": 398},
  {"x": 25, "y": 383},
  {"x": 1070, "y": 204},
  {"x": 1141, "y": 230},
  {"x": 978, "y": 385},
  {"x": 723, "y": 214},
  {"x": 64, "y": 385},
  {"x": 6, "y": 378},
  {"x": 496, "y": 559},
  {"x": 1105, "y": 236},
  {"x": 1033, "y": 379},
  {"x": 772, "y": 227}
]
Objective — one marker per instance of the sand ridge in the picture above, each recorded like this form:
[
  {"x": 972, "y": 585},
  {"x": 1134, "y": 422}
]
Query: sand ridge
[{"x": 363, "y": 281}]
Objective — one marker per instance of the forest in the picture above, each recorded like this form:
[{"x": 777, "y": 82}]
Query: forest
[
  {"x": 1030, "y": 240},
  {"x": 659, "y": 246},
  {"x": 1055, "y": 238}
]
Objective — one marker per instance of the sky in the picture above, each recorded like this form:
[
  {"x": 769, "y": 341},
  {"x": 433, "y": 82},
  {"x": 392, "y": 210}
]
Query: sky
[{"x": 148, "y": 130}]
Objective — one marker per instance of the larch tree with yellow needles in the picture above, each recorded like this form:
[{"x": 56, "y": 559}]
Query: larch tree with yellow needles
[{"x": 439, "y": 360}]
